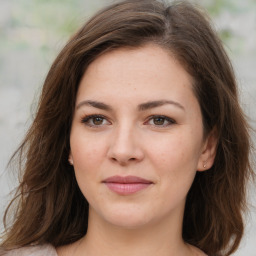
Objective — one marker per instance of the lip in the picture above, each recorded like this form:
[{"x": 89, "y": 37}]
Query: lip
[{"x": 126, "y": 185}]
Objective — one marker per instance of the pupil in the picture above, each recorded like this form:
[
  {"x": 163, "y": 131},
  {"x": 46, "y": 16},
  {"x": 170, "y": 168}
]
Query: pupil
[
  {"x": 97, "y": 120},
  {"x": 159, "y": 121}
]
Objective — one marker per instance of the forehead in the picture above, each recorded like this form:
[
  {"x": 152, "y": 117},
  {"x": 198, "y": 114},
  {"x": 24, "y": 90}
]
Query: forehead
[{"x": 148, "y": 71}]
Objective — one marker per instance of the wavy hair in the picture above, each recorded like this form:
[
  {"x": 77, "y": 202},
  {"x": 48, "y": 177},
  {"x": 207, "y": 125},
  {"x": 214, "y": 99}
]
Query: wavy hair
[{"x": 48, "y": 203}]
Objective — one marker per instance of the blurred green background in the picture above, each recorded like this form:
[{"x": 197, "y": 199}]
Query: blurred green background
[{"x": 32, "y": 32}]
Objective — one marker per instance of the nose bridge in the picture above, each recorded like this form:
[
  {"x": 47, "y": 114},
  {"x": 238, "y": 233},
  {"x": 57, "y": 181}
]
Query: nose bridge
[
  {"x": 124, "y": 146},
  {"x": 124, "y": 136}
]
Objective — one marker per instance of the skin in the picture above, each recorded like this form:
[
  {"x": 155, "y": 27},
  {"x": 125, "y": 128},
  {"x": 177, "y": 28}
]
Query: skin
[{"x": 125, "y": 140}]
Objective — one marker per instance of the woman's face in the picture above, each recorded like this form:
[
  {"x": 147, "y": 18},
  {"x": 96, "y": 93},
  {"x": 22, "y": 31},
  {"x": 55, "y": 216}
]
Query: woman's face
[{"x": 137, "y": 137}]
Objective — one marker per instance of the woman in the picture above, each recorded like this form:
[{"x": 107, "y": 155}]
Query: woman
[{"x": 139, "y": 145}]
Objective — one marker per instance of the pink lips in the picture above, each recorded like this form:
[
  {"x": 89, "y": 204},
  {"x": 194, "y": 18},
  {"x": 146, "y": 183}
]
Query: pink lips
[{"x": 126, "y": 185}]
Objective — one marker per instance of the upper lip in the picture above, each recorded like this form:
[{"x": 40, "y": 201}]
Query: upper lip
[{"x": 126, "y": 180}]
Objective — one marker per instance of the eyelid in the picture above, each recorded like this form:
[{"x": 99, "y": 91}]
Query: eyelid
[
  {"x": 171, "y": 121},
  {"x": 85, "y": 120}
]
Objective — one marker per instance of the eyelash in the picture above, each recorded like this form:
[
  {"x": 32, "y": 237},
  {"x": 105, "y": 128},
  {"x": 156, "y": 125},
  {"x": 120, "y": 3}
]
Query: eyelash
[
  {"x": 86, "y": 120},
  {"x": 165, "y": 118}
]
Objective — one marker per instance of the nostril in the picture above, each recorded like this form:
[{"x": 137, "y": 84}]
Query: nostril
[
  {"x": 123, "y": 161},
  {"x": 124, "y": 153},
  {"x": 114, "y": 159}
]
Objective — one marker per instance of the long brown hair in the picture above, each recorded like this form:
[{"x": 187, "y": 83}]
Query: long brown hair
[{"x": 49, "y": 203}]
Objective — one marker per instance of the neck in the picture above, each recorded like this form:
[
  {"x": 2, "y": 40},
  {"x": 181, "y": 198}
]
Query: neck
[{"x": 103, "y": 238}]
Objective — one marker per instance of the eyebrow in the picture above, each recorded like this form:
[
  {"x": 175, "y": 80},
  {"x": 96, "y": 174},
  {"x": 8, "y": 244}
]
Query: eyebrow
[
  {"x": 95, "y": 104},
  {"x": 141, "y": 107},
  {"x": 158, "y": 103}
]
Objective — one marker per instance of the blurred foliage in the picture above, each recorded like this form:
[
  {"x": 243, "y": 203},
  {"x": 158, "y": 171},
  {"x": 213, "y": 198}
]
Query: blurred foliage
[
  {"x": 45, "y": 25},
  {"x": 60, "y": 18},
  {"x": 35, "y": 31},
  {"x": 231, "y": 16},
  {"x": 216, "y": 7}
]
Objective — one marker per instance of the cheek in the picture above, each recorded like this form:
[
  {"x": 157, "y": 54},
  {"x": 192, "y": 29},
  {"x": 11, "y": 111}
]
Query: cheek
[
  {"x": 88, "y": 154},
  {"x": 86, "y": 157},
  {"x": 175, "y": 162},
  {"x": 174, "y": 150},
  {"x": 86, "y": 150}
]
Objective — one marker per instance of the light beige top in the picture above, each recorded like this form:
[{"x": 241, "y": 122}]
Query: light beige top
[
  {"x": 34, "y": 250},
  {"x": 49, "y": 250}
]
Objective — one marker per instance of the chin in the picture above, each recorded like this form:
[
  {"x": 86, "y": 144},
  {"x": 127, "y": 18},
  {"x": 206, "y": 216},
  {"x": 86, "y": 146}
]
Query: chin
[
  {"x": 128, "y": 222},
  {"x": 126, "y": 218}
]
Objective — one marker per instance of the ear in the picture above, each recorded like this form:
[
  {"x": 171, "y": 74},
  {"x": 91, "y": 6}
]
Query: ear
[
  {"x": 70, "y": 159},
  {"x": 206, "y": 159}
]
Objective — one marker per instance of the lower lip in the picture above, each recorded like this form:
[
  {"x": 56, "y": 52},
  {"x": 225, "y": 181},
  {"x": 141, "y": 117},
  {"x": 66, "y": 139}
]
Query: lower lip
[{"x": 127, "y": 188}]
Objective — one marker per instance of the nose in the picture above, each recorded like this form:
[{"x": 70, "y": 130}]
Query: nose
[{"x": 125, "y": 147}]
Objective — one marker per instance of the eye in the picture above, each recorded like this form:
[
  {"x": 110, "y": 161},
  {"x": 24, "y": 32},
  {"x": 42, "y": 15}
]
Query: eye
[
  {"x": 161, "y": 121},
  {"x": 95, "y": 120}
]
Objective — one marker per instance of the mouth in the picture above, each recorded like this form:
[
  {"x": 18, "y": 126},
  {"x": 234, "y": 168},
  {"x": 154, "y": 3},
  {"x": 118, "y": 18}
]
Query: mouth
[{"x": 126, "y": 185}]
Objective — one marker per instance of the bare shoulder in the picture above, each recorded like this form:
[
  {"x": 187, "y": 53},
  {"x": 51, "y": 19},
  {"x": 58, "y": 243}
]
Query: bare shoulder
[{"x": 33, "y": 250}]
